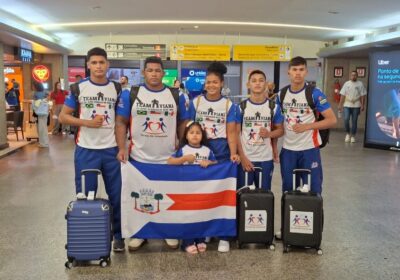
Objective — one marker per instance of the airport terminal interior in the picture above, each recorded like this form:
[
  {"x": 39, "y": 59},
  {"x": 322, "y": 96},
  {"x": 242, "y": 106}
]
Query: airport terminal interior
[{"x": 46, "y": 42}]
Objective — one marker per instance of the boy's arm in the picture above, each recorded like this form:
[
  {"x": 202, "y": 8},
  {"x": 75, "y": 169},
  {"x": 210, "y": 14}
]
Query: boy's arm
[{"x": 121, "y": 124}]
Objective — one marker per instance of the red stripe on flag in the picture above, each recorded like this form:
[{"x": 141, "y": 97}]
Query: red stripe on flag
[{"x": 202, "y": 201}]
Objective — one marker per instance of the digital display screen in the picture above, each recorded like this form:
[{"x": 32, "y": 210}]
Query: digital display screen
[
  {"x": 383, "y": 112},
  {"x": 134, "y": 75}
]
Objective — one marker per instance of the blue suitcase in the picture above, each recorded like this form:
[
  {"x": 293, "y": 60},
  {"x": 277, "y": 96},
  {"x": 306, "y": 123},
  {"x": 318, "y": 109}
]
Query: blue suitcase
[{"x": 89, "y": 229}]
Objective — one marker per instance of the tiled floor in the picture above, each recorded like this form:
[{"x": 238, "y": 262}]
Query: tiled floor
[{"x": 360, "y": 240}]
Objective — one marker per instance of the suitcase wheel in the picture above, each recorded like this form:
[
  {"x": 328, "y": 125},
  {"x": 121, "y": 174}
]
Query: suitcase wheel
[
  {"x": 319, "y": 252},
  {"x": 285, "y": 249},
  {"x": 68, "y": 264},
  {"x": 103, "y": 263},
  {"x": 271, "y": 247}
]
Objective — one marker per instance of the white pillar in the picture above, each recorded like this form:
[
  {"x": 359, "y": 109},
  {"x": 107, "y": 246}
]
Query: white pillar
[{"x": 3, "y": 124}]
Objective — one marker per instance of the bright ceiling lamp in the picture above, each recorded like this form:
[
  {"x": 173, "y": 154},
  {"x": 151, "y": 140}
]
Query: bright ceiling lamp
[{"x": 191, "y": 22}]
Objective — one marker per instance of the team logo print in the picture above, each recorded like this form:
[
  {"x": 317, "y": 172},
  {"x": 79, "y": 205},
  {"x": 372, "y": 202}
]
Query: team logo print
[
  {"x": 100, "y": 96},
  {"x": 154, "y": 127},
  {"x": 147, "y": 201},
  {"x": 256, "y": 220},
  {"x": 301, "y": 222}
]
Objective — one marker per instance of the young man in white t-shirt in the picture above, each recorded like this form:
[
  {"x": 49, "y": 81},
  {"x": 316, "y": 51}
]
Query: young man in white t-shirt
[
  {"x": 352, "y": 102},
  {"x": 301, "y": 141},
  {"x": 258, "y": 126},
  {"x": 96, "y": 147},
  {"x": 154, "y": 119}
]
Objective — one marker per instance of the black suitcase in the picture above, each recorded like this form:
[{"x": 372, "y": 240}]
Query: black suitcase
[
  {"x": 89, "y": 229},
  {"x": 255, "y": 215},
  {"x": 302, "y": 217}
]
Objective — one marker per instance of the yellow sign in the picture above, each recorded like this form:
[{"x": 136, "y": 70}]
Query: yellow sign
[
  {"x": 262, "y": 52},
  {"x": 200, "y": 52}
]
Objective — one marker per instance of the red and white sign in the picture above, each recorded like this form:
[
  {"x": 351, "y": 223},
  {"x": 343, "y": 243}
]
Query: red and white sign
[
  {"x": 40, "y": 73},
  {"x": 73, "y": 71}
]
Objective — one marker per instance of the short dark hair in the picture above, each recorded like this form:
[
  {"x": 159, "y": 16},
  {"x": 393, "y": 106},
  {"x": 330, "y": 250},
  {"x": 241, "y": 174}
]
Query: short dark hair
[
  {"x": 298, "y": 60},
  {"x": 96, "y": 51},
  {"x": 217, "y": 68},
  {"x": 38, "y": 86},
  {"x": 257, "y": 72},
  {"x": 354, "y": 71},
  {"x": 78, "y": 76},
  {"x": 153, "y": 59},
  {"x": 126, "y": 77}
]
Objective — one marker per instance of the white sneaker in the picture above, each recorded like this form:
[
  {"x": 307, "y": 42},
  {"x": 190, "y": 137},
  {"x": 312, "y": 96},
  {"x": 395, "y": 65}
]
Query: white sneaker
[
  {"x": 172, "y": 243},
  {"x": 135, "y": 243},
  {"x": 347, "y": 138},
  {"x": 278, "y": 235},
  {"x": 223, "y": 246},
  {"x": 353, "y": 139}
]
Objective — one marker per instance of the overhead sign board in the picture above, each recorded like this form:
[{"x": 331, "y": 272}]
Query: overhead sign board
[
  {"x": 262, "y": 52},
  {"x": 200, "y": 52},
  {"x": 135, "y": 51}
]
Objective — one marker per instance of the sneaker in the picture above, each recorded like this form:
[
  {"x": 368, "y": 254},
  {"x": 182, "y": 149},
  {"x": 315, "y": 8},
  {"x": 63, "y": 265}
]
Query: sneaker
[
  {"x": 119, "y": 245},
  {"x": 223, "y": 246},
  {"x": 172, "y": 243},
  {"x": 353, "y": 139},
  {"x": 278, "y": 235},
  {"x": 347, "y": 138},
  {"x": 135, "y": 243}
]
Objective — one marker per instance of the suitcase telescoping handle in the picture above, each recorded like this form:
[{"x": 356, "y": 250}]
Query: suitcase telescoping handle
[
  {"x": 83, "y": 176},
  {"x": 298, "y": 171},
  {"x": 246, "y": 176}
]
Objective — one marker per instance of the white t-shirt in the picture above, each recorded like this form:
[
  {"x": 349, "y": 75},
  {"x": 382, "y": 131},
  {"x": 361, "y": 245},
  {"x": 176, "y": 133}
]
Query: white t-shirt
[
  {"x": 353, "y": 92},
  {"x": 296, "y": 110},
  {"x": 201, "y": 153},
  {"x": 212, "y": 115},
  {"x": 256, "y": 116},
  {"x": 153, "y": 126},
  {"x": 95, "y": 99}
]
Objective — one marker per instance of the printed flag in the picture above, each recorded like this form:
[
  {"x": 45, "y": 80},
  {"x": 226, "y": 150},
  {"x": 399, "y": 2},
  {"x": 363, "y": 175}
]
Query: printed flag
[{"x": 166, "y": 201}]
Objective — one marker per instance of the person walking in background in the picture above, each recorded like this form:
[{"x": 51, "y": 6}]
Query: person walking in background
[
  {"x": 58, "y": 99},
  {"x": 124, "y": 81},
  {"x": 40, "y": 107},
  {"x": 352, "y": 101}
]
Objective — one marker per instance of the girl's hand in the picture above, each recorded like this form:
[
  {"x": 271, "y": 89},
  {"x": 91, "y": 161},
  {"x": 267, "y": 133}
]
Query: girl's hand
[
  {"x": 205, "y": 163},
  {"x": 235, "y": 158},
  {"x": 246, "y": 164},
  {"x": 190, "y": 158}
]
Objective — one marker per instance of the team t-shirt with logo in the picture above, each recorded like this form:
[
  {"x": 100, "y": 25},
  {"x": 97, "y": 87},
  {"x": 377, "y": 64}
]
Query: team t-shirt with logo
[
  {"x": 296, "y": 111},
  {"x": 201, "y": 153},
  {"x": 214, "y": 115},
  {"x": 95, "y": 99},
  {"x": 153, "y": 123},
  {"x": 255, "y": 116}
]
